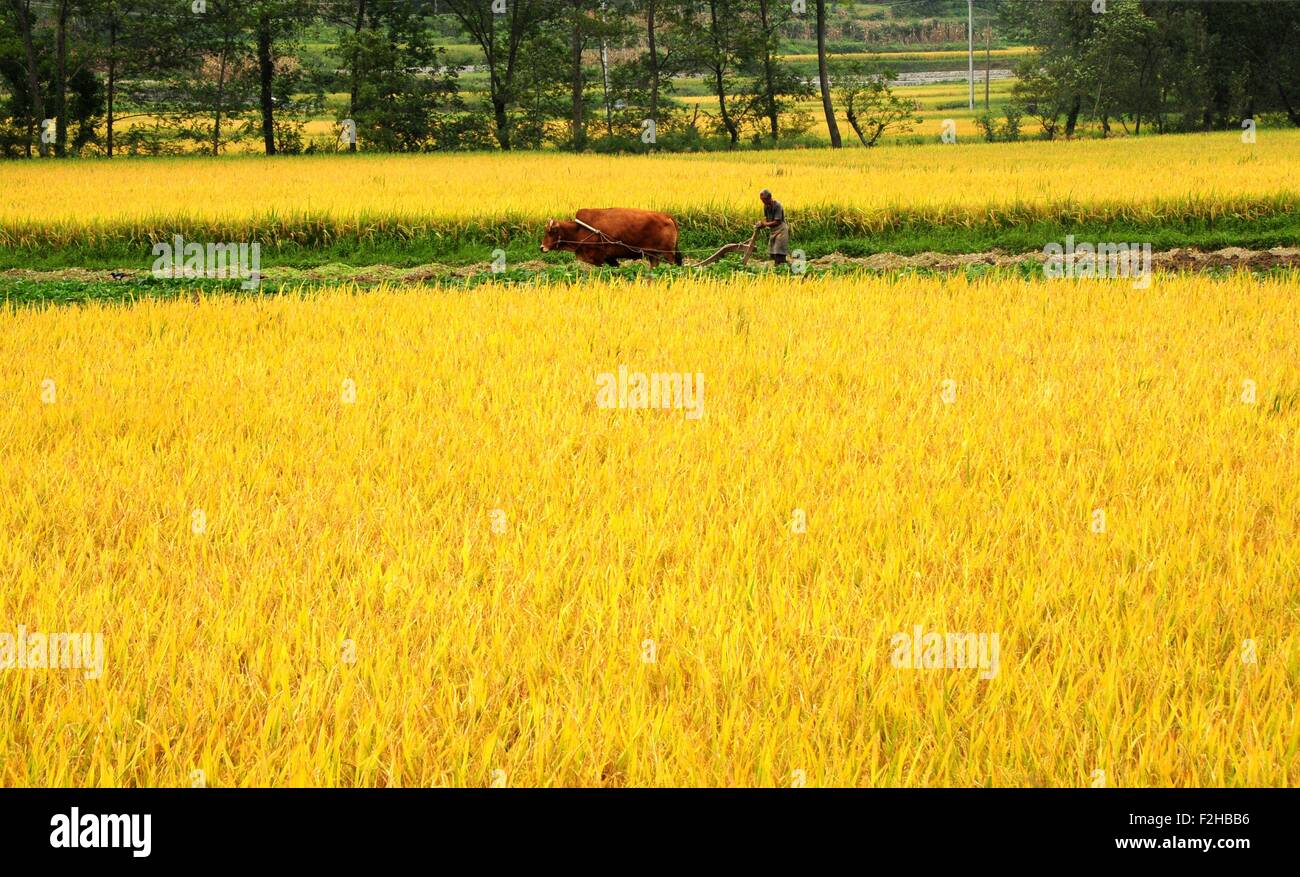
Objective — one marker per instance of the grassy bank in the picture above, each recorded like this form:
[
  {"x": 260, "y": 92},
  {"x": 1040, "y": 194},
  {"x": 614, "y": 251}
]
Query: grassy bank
[
  {"x": 1256, "y": 224},
  {"x": 18, "y": 291}
]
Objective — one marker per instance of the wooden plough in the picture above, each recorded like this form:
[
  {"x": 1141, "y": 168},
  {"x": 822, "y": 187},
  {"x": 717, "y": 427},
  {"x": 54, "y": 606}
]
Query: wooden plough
[{"x": 747, "y": 246}]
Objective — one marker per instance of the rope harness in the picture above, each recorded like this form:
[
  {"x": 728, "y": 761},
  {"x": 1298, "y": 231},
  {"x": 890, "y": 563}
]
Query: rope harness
[{"x": 604, "y": 238}]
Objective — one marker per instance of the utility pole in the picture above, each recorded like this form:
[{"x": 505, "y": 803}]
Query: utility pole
[{"x": 970, "y": 47}]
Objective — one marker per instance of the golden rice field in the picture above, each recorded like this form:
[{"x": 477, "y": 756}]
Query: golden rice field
[
  {"x": 1171, "y": 177},
  {"x": 1009, "y": 53},
  {"x": 929, "y": 97},
  {"x": 457, "y": 569},
  {"x": 932, "y": 118}
]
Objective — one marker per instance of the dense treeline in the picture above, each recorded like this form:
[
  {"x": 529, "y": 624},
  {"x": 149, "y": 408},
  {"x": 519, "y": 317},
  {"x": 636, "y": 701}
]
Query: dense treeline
[
  {"x": 154, "y": 76},
  {"x": 1174, "y": 65}
]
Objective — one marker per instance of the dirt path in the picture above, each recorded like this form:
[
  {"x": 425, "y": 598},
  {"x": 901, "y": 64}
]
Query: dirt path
[
  {"x": 1168, "y": 260},
  {"x": 332, "y": 273},
  {"x": 1176, "y": 259}
]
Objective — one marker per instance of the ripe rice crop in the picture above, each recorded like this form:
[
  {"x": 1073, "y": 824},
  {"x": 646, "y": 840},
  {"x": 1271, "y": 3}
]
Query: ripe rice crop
[
  {"x": 1010, "y": 52},
  {"x": 390, "y": 538},
  {"x": 314, "y": 201}
]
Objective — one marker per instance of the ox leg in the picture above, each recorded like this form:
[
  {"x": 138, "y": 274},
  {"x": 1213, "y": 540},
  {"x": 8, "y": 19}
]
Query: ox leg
[{"x": 612, "y": 262}]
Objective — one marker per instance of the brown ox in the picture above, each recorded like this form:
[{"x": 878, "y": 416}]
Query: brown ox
[{"x": 619, "y": 233}]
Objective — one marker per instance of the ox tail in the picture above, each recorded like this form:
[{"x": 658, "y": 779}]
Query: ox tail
[{"x": 677, "y": 257}]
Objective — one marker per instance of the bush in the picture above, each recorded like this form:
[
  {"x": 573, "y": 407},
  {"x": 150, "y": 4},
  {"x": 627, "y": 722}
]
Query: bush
[{"x": 1006, "y": 132}]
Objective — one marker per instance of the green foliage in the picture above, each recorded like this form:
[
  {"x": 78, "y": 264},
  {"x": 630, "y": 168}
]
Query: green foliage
[
  {"x": 1007, "y": 131},
  {"x": 1172, "y": 66},
  {"x": 864, "y": 90},
  {"x": 256, "y": 71}
]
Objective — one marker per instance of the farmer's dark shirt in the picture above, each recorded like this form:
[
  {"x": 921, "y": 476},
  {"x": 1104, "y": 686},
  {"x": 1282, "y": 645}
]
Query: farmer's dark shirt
[{"x": 773, "y": 210}]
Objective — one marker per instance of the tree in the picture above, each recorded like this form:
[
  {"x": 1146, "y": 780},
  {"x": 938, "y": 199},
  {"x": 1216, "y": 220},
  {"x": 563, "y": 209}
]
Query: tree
[
  {"x": 1109, "y": 63},
  {"x": 218, "y": 78},
  {"x": 1061, "y": 32},
  {"x": 406, "y": 96},
  {"x": 713, "y": 34},
  {"x": 1182, "y": 65},
  {"x": 579, "y": 30},
  {"x": 109, "y": 19},
  {"x": 502, "y": 29},
  {"x": 355, "y": 74},
  {"x": 653, "y": 62},
  {"x": 640, "y": 84},
  {"x": 35, "y": 97},
  {"x": 1041, "y": 94},
  {"x": 1252, "y": 60},
  {"x": 59, "y": 87},
  {"x": 777, "y": 86},
  {"x": 823, "y": 77},
  {"x": 870, "y": 104},
  {"x": 275, "y": 25},
  {"x": 139, "y": 45},
  {"x": 50, "y": 69}
]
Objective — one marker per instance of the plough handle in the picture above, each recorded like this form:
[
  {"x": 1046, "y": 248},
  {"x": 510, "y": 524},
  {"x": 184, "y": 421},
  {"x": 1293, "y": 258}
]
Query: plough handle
[{"x": 749, "y": 248}]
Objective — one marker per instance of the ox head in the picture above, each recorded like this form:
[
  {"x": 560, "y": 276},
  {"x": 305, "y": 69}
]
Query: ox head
[{"x": 551, "y": 237}]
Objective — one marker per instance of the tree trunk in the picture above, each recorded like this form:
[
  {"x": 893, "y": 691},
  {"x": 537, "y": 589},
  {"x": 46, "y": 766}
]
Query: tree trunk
[
  {"x": 33, "y": 81},
  {"x": 521, "y": 19},
  {"x": 1072, "y": 118},
  {"x": 356, "y": 76},
  {"x": 265, "y": 75},
  {"x": 769, "y": 94},
  {"x": 112, "y": 77},
  {"x": 824, "y": 78},
  {"x": 60, "y": 84},
  {"x": 502, "y": 121},
  {"x": 1291, "y": 111},
  {"x": 853, "y": 123},
  {"x": 654, "y": 61},
  {"x": 221, "y": 93},
  {"x": 604, "y": 75},
  {"x": 718, "y": 79},
  {"x": 1143, "y": 78},
  {"x": 732, "y": 131},
  {"x": 579, "y": 130}
]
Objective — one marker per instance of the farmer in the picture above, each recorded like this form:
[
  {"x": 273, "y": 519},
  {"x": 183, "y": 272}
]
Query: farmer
[{"x": 778, "y": 239}]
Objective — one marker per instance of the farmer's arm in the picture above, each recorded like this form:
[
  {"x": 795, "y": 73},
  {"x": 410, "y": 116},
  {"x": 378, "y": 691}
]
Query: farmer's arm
[{"x": 776, "y": 221}]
